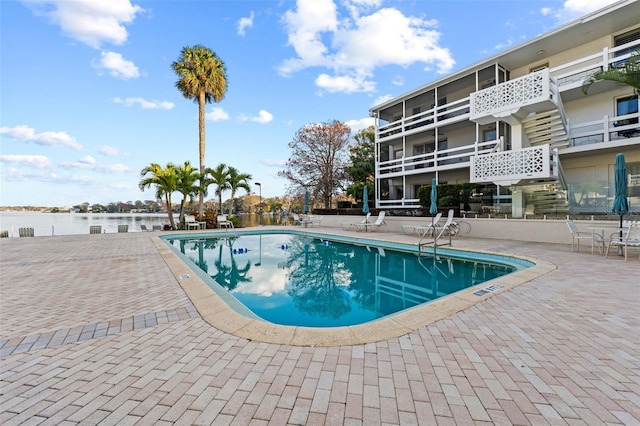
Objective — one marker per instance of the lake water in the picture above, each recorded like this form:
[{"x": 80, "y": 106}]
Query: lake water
[{"x": 48, "y": 224}]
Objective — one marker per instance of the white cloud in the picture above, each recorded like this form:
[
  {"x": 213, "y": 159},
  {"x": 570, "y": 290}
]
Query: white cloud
[
  {"x": 89, "y": 163},
  {"x": 345, "y": 83},
  {"x": 87, "y": 159},
  {"x": 245, "y": 23},
  {"x": 353, "y": 47},
  {"x": 263, "y": 117},
  {"x": 109, "y": 151},
  {"x": 144, "y": 104},
  {"x": 382, "y": 99},
  {"x": 216, "y": 114},
  {"x": 398, "y": 80},
  {"x": 273, "y": 163},
  {"x": 28, "y": 134},
  {"x": 39, "y": 161},
  {"x": 573, "y": 9},
  {"x": 360, "y": 124},
  {"x": 89, "y": 21},
  {"x": 116, "y": 65}
]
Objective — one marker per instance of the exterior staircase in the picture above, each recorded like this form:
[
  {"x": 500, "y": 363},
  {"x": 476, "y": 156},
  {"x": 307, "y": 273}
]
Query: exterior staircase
[{"x": 547, "y": 127}]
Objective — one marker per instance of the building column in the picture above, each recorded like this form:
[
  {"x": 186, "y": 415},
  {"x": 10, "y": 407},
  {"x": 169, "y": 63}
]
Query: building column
[{"x": 517, "y": 202}]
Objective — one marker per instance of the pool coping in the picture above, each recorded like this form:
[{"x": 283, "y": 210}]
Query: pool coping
[{"x": 218, "y": 313}]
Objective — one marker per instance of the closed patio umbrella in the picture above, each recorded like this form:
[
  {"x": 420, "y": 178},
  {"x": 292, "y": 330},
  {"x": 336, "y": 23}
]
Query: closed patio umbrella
[
  {"x": 620, "y": 202},
  {"x": 365, "y": 200},
  {"x": 306, "y": 202},
  {"x": 433, "y": 208}
]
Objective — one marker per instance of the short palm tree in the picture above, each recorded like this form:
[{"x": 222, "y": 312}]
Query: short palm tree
[
  {"x": 627, "y": 72},
  {"x": 166, "y": 182},
  {"x": 203, "y": 78},
  {"x": 187, "y": 186},
  {"x": 237, "y": 181},
  {"x": 220, "y": 177}
]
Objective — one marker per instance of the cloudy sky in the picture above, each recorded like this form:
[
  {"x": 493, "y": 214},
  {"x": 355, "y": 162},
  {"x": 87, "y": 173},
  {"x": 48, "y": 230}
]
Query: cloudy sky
[{"x": 88, "y": 95}]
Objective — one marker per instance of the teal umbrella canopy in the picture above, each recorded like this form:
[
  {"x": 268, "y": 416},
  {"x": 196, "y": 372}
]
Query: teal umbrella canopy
[
  {"x": 365, "y": 200},
  {"x": 620, "y": 202},
  {"x": 306, "y": 202},
  {"x": 433, "y": 208}
]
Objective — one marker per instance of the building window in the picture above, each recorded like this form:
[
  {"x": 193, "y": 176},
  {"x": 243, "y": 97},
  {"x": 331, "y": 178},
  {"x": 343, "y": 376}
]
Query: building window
[
  {"x": 625, "y": 38},
  {"x": 539, "y": 67},
  {"x": 625, "y": 106},
  {"x": 489, "y": 135}
]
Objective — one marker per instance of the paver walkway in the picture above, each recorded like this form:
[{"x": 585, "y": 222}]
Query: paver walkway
[{"x": 96, "y": 330}]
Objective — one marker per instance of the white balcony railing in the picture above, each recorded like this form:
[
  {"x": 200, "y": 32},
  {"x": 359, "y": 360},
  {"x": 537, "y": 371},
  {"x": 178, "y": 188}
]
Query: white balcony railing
[
  {"x": 511, "y": 167},
  {"x": 511, "y": 97},
  {"x": 452, "y": 158}
]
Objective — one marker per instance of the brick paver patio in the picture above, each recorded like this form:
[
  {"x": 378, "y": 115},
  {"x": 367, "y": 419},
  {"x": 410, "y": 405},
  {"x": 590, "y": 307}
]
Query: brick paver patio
[{"x": 97, "y": 330}]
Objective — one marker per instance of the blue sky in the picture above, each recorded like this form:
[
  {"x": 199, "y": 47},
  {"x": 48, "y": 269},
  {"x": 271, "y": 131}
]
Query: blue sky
[{"x": 88, "y": 97}]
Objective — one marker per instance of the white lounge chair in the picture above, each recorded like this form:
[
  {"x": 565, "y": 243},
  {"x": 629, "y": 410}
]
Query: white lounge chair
[
  {"x": 223, "y": 222},
  {"x": 579, "y": 235},
  {"x": 191, "y": 223},
  {"x": 420, "y": 230},
  {"x": 378, "y": 223},
  {"x": 297, "y": 220},
  {"x": 630, "y": 239},
  {"x": 354, "y": 225}
]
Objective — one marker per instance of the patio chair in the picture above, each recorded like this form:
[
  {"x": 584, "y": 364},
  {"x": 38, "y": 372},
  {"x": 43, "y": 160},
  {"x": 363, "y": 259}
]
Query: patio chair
[
  {"x": 157, "y": 228},
  {"x": 297, "y": 220},
  {"x": 377, "y": 224},
  {"x": 95, "y": 229},
  {"x": 420, "y": 230},
  {"x": 630, "y": 239},
  {"x": 223, "y": 222},
  {"x": 143, "y": 228},
  {"x": 123, "y": 228},
  {"x": 579, "y": 235},
  {"x": 191, "y": 223},
  {"x": 351, "y": 225},
  {"x": 4, "y": 233}
]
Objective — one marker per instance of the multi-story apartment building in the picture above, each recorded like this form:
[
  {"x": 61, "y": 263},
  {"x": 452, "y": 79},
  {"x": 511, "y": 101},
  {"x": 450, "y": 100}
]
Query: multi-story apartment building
[{"x": 519, "y": 125}]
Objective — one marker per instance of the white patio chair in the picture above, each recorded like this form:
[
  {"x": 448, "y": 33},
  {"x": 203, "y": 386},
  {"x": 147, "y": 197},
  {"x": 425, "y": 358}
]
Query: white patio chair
[
  {"x": 375, "y": 225},
  {"x": 223, "y": 222},
  {"x": 630, "y": 239},
  {"x": 421, "y": 230},
  {"x": 579, "y": 235},
  {"x": 191, "y": 223}
]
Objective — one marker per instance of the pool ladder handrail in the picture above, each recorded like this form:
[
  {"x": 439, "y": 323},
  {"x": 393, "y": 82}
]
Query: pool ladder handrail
[{"x": 436, "y": 238}]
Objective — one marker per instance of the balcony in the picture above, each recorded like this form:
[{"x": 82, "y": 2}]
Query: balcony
[
  {"x": 538, "y": 163},
  {"x": 453, "y": 158},
  {"x": 513, "y": 100}
]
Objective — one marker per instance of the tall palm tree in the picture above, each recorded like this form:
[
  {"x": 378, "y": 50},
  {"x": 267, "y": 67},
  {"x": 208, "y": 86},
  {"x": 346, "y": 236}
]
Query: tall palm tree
[
  {"x": 237, "y": 181},
  {"x": 220, "y": 177},
  {"x": 165, "y": 180},
  {"x": 203, "y": 78},
  {"x": 187, "y": 186},
  {"x": 627, "y": 72}
]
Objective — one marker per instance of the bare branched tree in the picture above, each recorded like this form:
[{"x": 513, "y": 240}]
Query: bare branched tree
[{"x": 319, "y": 159}]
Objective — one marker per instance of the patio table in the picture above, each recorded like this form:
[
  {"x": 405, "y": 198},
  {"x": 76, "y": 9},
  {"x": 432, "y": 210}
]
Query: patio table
[{"x": 602, "y": 228}]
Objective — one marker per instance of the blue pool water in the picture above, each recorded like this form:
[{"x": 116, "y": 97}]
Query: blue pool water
[{"x": 300, "y": 280}]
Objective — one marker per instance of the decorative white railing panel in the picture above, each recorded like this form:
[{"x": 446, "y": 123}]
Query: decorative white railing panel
[
  {"x": 513, "y": 166},
  {"x": 511, "y": 95}
]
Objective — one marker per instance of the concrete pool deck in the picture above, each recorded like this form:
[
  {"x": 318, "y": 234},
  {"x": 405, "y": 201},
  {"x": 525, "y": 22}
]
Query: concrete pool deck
[{"x": 98, "y": 329}]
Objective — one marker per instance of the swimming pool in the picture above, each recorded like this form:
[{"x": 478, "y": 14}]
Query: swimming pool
[{"x": 307, "y": 280}]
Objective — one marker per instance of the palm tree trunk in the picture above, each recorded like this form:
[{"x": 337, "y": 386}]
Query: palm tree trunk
[
  {"x": 170, "y": 210},
  {"x": 201, "y": 137}
]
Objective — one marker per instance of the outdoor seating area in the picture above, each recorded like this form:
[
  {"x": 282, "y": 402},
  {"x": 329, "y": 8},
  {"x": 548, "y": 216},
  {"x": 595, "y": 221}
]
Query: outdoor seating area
[
  {"x": 371, "y": 226},
  {"x": 353, "y": 225},
  {"x": 307, "y": 220}
]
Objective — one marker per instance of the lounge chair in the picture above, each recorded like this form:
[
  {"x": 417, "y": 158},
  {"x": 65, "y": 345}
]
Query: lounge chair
[
  {"x": 297, "y": 220},
  {"x": 420, "y": 230},
  {"x": 4, "y": 233},
  {"x": 95, "y": 229},
  {"x": 579, "y": 235},
  {"x": 377, "y": 224},
  {"x": 223, "y": 222},
  {"x": 439, "y": 230},
  {"x": 123, "y": 228},
  {"x": 630, "y": 239},
  {"x": 143, "y": 228},
  {"x": 354, "y": 225},
  {"x": 191, "y": 223},
  {"x": 157, "y": 228}
]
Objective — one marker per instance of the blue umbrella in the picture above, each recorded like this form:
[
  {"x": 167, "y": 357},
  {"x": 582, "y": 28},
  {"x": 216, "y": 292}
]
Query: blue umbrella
[
  {"x": 365, "y": 200},
  {"x": 620, "y": 202},
  {"x": 306, "y": 202},
  {"x": 433, "y": 209}
]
